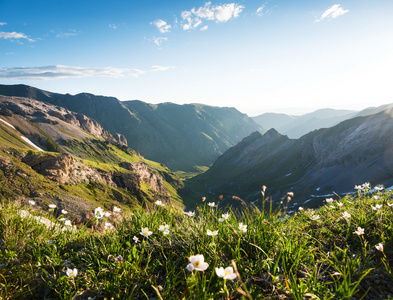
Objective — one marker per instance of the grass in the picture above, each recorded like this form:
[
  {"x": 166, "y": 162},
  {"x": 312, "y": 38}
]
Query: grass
[{"x": 311, "y": 254}]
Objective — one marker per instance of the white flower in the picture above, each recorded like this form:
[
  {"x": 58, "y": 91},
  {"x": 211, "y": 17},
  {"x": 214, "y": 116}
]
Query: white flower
[
  {"x": 379, "y": 187},
  {"x": 119, "y": 258},
  {"x": 108, "y": 226},
  {"x": 64, "y": 212},
  {"x": 211, "y": 204},
  {"x": 145, "y": 232},
  {"x": 315, "y": 217},
  {"x": 377, "y": 207},
  {"x": 346, "y": 215},
  {"x": 136, "y": 239},
  {"x": 67, "y": 223},
  {"x": 242, "y": 227},
  {"x": 358, "y": 187},
  {"x": 212, "y": 233},
  {"x": 190, "y": 213},
  {"x": 366, "y": 185},
  {"x": 31, "y": 202},
  {"x": 52, "y": 206},
  {"x": 62, "y": 219},
  {"x": 107, "y": 214},
  {"x": 159, "y": 203},
  {"x": 99, "y": 213},
  {"x": 340, "y": 204},
  {"x": 376, "y": 197},
  {"x": 301, "y": 208},
  {"x": 24, "y": 213},
  {"x": 224, "y": 217},
  {"x": 390, "y": 204},
  {"x": 359, "y": 231},
  {"x": 329, "y": 200},
  {"x": 164, "y": 228},
  {"x": 116, "y": 209},
  {"x": 72, "y": 272},
  {"x": 379, "y": 247},
  {"x": 226, "y": 273},
  {"x": 290, "y": 194},
  {"x": 197, "y": 262}
]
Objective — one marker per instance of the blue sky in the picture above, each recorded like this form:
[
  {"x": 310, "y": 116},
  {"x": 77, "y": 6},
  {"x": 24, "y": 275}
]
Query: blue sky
[{"x": 258, "y": 56}]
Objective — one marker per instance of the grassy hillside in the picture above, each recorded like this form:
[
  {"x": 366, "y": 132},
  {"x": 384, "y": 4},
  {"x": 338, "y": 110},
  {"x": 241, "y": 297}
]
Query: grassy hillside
[{"x": 341, "y": 251}]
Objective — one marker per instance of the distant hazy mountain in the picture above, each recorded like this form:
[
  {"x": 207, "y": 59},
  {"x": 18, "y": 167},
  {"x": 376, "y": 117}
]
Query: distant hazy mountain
[
  {"x": 180, "y": 136},
  {"x": 318, "y": 163},
  {"x": 297, "y": 126}
]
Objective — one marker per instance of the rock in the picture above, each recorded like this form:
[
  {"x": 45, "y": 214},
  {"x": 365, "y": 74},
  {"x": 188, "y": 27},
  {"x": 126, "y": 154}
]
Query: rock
[
  {"x": 6, "y": 112},
  {"x": 121, "y": 139}
]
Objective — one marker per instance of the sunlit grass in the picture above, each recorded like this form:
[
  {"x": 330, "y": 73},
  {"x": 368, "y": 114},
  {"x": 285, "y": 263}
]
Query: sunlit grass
[{"x": 249, "y": 253}]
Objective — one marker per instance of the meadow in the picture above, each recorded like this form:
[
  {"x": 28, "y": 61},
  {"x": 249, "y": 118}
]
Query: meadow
[{"x": 343, "y": 250}]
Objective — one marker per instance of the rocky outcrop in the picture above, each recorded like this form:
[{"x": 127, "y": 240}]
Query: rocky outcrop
[
  {"x": 65, "y": 169},
  {"x": 121, "y": 139},
  {"x": 40, "y": 112}
]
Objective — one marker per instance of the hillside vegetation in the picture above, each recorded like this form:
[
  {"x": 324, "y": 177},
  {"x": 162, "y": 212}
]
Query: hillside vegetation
[{"x": 341, "y": 251}]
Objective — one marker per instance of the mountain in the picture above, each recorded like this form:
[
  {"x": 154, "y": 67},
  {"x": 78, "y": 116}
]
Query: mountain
[
  {"x": 179, "y": 136},
  {"x": 321, "y": 162},
  {"x": 53, "y": 155},
  {"x": 297, "y": 126}
]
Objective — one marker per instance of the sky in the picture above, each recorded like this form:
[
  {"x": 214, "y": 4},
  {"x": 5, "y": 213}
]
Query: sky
[{"x": 280, "y": 56}]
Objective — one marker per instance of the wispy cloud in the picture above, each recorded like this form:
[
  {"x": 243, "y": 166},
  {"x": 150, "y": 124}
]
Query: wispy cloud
[
  {"x": 3, "y": 23},
  {"x": 59, "y": 72},
  {"x": 260, "y": 10},
  {"x": 159, "y": 41},
  {"x": 218, "y": 13},
  {"x": 333, "y": 12},
  {"x": 113, "y": 26},
  {"x": 14, "y": 35},
  {"x": 204, "y": 28},
  {"x": 162, "y": 26},
  {"x": 66, "y": 34},
  {"x": 160, "y": 68}
]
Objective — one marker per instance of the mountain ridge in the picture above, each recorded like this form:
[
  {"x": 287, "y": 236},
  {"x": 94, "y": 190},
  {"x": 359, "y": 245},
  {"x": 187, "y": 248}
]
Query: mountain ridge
[
  {"x": 193, "y": 136},
  {"x": 354, "y": 151}
]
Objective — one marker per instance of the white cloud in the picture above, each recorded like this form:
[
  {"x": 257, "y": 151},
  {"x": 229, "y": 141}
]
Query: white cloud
[
  {"x": 162, "y": 26},
  {"x": 333, "y": 12},
  {"x": 3, "y": 23},
  {"x": 218, "y": 13},
  {"x": 260, "y": 9},
  {"x": 112, "y": 26},
  {"x": 14, "y": 35},
  {"x": 204, "y": 28},
  {"x": 70, "y": 33},
  {"x": 59, "y": 72},
  {"x": 226, "y": 12},
  {"x": 160, "y": 68},
  {"x": 159, "y": 41}
]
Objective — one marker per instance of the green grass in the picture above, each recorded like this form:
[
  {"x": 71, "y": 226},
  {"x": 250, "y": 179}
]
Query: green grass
[{"x": 278, "y": 257}]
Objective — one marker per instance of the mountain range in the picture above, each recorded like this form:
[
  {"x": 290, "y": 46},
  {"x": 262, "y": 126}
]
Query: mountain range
[
  {"x": 99, "y": 150},
  {"x": 296, "y": 126},
  {"x": 183, "y": 137},
  {"x": 320, "y": 163}
]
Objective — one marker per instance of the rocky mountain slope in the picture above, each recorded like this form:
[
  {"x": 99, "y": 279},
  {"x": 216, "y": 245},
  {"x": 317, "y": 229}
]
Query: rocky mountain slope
[
  {"x": 180, "y": 136},
  {"x": 319, "y": 163},
  {"x": 51, "y": 154}
]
